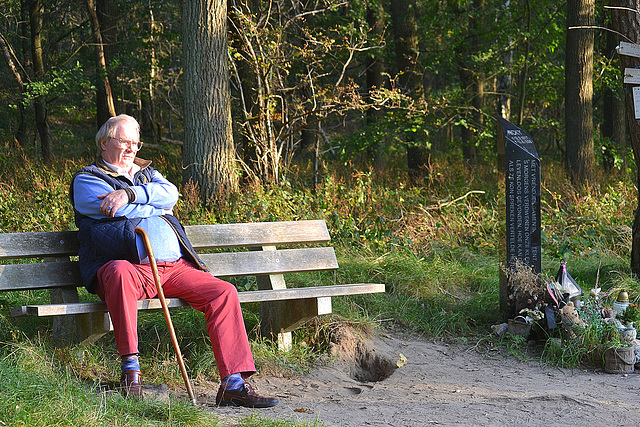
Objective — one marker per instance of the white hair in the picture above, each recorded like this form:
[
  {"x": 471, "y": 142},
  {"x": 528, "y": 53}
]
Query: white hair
[{"x": 108, "y": 129}]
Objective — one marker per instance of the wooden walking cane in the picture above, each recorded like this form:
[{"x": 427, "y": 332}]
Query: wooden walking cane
[{"x": 165, "y": 310}]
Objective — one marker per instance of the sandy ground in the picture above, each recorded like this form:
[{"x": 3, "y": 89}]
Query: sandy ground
[{"x": 442, "y": 385}]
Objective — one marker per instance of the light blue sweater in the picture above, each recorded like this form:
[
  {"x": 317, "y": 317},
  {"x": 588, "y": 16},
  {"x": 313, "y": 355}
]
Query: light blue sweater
[{"x": 152, "y": 200}]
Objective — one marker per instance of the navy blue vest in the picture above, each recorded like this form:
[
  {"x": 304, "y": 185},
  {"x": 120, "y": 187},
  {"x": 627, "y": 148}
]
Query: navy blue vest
[{"x": 106, "y": 239}]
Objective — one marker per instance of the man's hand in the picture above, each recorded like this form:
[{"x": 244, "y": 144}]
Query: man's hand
[{"x": 113, "y": 201}]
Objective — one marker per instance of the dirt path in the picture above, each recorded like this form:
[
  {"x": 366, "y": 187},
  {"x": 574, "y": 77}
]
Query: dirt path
[{"x": 445, "y": 385}]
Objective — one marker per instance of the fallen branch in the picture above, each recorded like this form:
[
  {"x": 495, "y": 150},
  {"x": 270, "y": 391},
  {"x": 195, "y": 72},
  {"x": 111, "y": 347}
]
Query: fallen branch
[
  {"x": 444, "y": 205},
  {"x": 172, "y": 141}
]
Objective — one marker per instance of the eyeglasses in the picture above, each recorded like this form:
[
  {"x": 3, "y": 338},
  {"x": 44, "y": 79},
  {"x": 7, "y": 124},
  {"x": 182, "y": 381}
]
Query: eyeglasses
[{"x": 134, "y": 145}]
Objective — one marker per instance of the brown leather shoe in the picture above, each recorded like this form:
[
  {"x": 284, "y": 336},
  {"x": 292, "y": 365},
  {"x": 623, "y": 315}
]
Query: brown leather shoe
[
  {"x": 244, "y": 396},
  {"x": 131, "y": 384}
]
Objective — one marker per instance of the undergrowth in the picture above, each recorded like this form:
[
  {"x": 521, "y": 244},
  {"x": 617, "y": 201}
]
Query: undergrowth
[{"x": 435, "y": 246}]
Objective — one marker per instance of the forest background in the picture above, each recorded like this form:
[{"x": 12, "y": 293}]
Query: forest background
[{"x": 377, "y": 116}]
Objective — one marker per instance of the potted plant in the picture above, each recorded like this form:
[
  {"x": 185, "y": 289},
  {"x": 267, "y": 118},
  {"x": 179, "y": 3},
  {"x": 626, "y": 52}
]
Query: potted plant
[
  {"x": 630, "y": 315},
  {"x": 619, "y": 354},
  {"x": 619, "y": 358}
]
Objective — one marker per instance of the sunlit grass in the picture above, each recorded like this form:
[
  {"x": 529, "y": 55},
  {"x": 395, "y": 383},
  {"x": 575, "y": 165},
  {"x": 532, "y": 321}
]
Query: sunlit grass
[{"x": 39, "y": 390}]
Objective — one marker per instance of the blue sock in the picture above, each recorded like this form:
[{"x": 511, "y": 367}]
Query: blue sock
[
  {"x": 232, "y": 382},
  {"x": 130, "y": 363}
]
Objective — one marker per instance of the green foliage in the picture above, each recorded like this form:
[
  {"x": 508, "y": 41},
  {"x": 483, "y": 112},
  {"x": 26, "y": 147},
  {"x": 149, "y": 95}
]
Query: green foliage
[
  {"x": 630, "y": 314},
  {"x": 516, "y": 345},
  {"x": 32, "y": 197},
  {"x": 58, "y": 84},
  {"x": 596, "y": 220}
]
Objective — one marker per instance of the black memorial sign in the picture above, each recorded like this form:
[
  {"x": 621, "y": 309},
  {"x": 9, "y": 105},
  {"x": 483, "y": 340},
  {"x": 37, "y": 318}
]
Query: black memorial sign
[{"x": 522, "y": 194}]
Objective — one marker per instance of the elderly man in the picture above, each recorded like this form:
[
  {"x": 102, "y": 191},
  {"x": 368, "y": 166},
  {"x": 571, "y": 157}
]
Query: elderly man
[{"x": 113, "y": 196}]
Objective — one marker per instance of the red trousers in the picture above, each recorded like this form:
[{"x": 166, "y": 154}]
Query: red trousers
[{"x": 121, "y": 284}]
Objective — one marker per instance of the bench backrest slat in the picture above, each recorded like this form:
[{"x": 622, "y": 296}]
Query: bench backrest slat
[
  {"x": 38, "y": 244},
  {"x": 257, "y": 234},
  {"x": 214, "y": 236},
  {"x": 16, "y": 277},
  {"x": 283, "y": 261},
  {"x": 45, "y": 275}
]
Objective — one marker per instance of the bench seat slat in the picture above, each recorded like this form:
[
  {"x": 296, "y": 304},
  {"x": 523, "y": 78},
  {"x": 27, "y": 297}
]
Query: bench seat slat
[
  {"x": 247, "y": 296},
  {"x": 15, "y": 277},
  {"x": 311, "y": 292}
]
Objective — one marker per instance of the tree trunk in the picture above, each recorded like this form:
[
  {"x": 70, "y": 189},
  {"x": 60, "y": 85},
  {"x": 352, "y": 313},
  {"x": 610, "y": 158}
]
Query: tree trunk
[
  {"x": 105, "y": 107},
  {"x": 614, "y": 124},
  {"x": 472, "y": 81},
  {"x": 375, "y": 69},
  {"x": 107, "y": 11},
  {"x": 504, "y": 81},
  {"x": 468, "y": 83},
  {"x": 20, "y": 133},
  {"x": 524, "y": 75},
  {"x": 208, "y": 141},
  {"x": 36, "y": 9},
  {"x": 580, "y": 156},
  {"x": 504, "y": 87},
  {"x": 249, "y": 88},
  {"x": 25, "y": 48},
  {"x": 627, "y": 22},
  {"x": 24, "y": 33},
  {"x": 409, "y": 80},
  {"x": 148, "y": 97}
]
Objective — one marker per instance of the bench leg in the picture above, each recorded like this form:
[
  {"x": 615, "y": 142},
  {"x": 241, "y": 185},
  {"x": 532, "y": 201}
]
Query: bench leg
[
  {"x": 80, "y": 328},
  {"x": 77, "y": 328},
  {"x": 269, "y": 311},
  {"x": 279, "y": 318}
]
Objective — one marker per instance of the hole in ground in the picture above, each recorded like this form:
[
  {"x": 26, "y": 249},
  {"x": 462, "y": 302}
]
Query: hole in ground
[
  {"x": 371, "y": 366},
  {"x": 363, "y": 362}
]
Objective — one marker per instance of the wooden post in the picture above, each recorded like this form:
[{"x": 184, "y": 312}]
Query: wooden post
[{"x": 76, "y": 328}]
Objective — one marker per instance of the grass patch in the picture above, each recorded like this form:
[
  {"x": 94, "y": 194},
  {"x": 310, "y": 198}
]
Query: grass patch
[
  {"x": 37, "y": 390},
  {"x": 255, "y": 420}
]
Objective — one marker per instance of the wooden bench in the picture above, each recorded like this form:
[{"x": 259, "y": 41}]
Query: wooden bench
[{"x": 266, "y": 250}]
